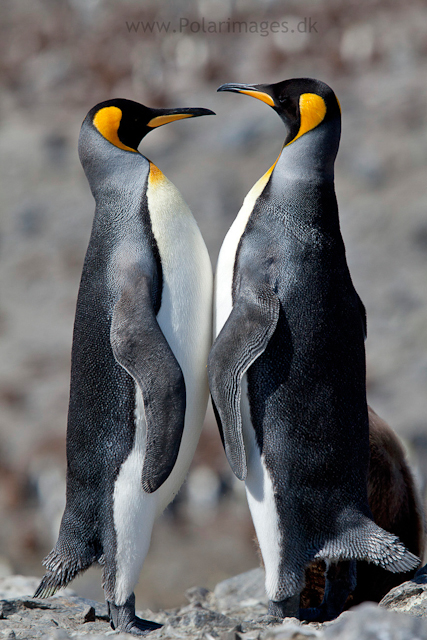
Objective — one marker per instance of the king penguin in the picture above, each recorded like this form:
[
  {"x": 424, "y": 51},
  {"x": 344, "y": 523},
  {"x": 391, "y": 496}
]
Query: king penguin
[
  {"x": 142, "y": 335},
  {"x": 287, "y": 367}
]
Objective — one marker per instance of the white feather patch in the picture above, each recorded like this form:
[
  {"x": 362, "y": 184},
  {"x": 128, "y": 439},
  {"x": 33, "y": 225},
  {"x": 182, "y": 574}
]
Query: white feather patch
[
  {"x": 261, "y": 500},
  {"x": 227, "y": 255},
  {"x": 134, "y": 512},
  {"x": 185, "y": 315}
]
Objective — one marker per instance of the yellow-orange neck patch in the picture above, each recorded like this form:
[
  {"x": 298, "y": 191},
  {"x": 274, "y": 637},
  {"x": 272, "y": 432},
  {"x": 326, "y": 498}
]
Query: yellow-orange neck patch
[
  {"x": 107, "y": 121},
  {"x": 312, "y": 111},
  {"x": 268, "y": 173},
  {"x": 155, "y": 175},
  {"x": 261, "y": 182}
]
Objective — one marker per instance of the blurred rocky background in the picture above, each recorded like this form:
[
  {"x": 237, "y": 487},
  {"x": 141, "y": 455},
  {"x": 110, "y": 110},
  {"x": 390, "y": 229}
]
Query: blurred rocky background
[{"x": 58, "y": 58}]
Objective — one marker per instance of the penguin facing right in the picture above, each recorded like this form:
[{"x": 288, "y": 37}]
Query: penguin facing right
[
  {"x": 142, "y": 334},
  {"x": 287, "y": 368}
]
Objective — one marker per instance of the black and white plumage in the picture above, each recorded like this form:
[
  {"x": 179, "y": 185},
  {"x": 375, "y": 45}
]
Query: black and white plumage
[
  {"x": 287, "y": 368},
  {"x": 142, "y": 334}
]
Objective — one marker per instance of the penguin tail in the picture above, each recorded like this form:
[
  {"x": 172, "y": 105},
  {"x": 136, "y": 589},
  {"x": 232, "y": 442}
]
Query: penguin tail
[
  {"x": 367, "y": 541},
  {"x": 61, "y": 569}
]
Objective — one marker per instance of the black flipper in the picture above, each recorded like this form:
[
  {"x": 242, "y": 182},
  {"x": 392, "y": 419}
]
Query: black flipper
[
  {"x": 140, "y": 347},
  {"x": 62, "y": 568},
  {"x": 75, "y": 551},
  {"x": 241, "y": 341},
  {"x": 367, "y": 541}
]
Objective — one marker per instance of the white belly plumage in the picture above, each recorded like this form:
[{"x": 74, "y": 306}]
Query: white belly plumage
[
  {"x": 259, "y": 487},
  {"x": 261, "y": 501},
  {"x": 185, "y": 318}
]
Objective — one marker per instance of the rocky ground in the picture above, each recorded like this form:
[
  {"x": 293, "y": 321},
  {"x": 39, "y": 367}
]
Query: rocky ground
[
  {"x": 235, "y": 610},
  {"x": 58, "y": 59}
]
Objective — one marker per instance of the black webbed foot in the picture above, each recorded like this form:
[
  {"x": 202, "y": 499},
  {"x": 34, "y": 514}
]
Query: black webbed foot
[
  {"x": 315, "y": 614},
  {"x": 287, "y": 608},
  {"x": 123, "y": 618},
  {"x": 341, "y": 580}
]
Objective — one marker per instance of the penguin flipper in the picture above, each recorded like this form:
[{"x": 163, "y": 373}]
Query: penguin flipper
[
  {"x": 367, "y": 541},
  {"x": 241, "y": 341},
  {"x": 140, "y": 347}
]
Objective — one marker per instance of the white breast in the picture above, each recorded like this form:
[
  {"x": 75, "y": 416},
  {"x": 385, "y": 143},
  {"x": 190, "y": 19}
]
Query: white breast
[
  {"x": 185, "y": 312},
  {"x": 223, "y": 302},
  {"x": 185, "y": 315}
]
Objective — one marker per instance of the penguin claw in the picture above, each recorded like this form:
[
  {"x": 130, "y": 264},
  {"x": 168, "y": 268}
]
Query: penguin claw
[
  {"x": 139, "y": 627},
  {"x": 123, "y": 618}
]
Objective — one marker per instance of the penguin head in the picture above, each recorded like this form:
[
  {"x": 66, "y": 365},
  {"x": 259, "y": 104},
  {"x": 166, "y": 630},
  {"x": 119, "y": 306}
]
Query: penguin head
[
  {"x": 124, "y": 123},
  {"x": 304, "y": 105}
]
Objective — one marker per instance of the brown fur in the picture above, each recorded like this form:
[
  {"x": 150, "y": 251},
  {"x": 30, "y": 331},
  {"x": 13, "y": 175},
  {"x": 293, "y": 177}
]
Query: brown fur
[{"x": 396, "y": 507}]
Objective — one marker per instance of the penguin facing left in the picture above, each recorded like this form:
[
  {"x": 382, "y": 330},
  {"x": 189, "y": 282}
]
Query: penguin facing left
[
  {"x": 142, "y": 334},
  {"x": 287, "y": 368}
]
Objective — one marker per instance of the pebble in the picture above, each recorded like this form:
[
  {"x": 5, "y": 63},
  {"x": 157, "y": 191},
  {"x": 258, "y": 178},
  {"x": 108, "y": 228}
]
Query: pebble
[{"x": 208, "y": 616}]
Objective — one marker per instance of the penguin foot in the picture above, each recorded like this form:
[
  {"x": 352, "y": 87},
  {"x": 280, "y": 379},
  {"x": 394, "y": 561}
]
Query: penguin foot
[
  {"x": 265, "y": 620},
  {"x": 287, "y": 608},
  {"x": 315, "y": 614},
  {"x": 123, "y": 618},
  {"x": 341, "y": 580}
]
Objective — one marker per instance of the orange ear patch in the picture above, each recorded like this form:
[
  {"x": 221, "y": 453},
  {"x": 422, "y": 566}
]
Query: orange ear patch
[
  {"x": 107, "y": 121},
  {"x": 312, "y": 111}
]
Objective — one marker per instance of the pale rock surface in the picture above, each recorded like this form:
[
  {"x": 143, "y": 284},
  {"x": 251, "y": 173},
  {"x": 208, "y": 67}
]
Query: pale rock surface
[
  {"x": 409, "y": 597},
  {"x": 235, "y": 610}
]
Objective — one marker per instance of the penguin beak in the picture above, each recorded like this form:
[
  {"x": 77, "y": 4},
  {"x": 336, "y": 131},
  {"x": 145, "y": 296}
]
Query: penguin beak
[
  {"x": 164, "y": 116},
  {"x": 254, "y": 90}
]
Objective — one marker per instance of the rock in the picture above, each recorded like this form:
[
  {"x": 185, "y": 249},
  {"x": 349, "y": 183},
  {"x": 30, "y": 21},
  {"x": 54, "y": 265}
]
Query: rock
[
  {"x": 369, "y": 621},
  {"x": 245, "y": 591},
  {"x": 291, "y": 631},
  {"x": 409, "y": 597},
  {"x": 64, "y": 613},
  {"x": 225, "y": 614},
  {"x": 198, "y": 617},
  {"x": 198, "y": 594}
]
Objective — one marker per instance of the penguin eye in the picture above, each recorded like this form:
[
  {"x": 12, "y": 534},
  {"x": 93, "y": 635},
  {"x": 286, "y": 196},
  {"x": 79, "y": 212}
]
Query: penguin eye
[{"x": 289, "y": 106}]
